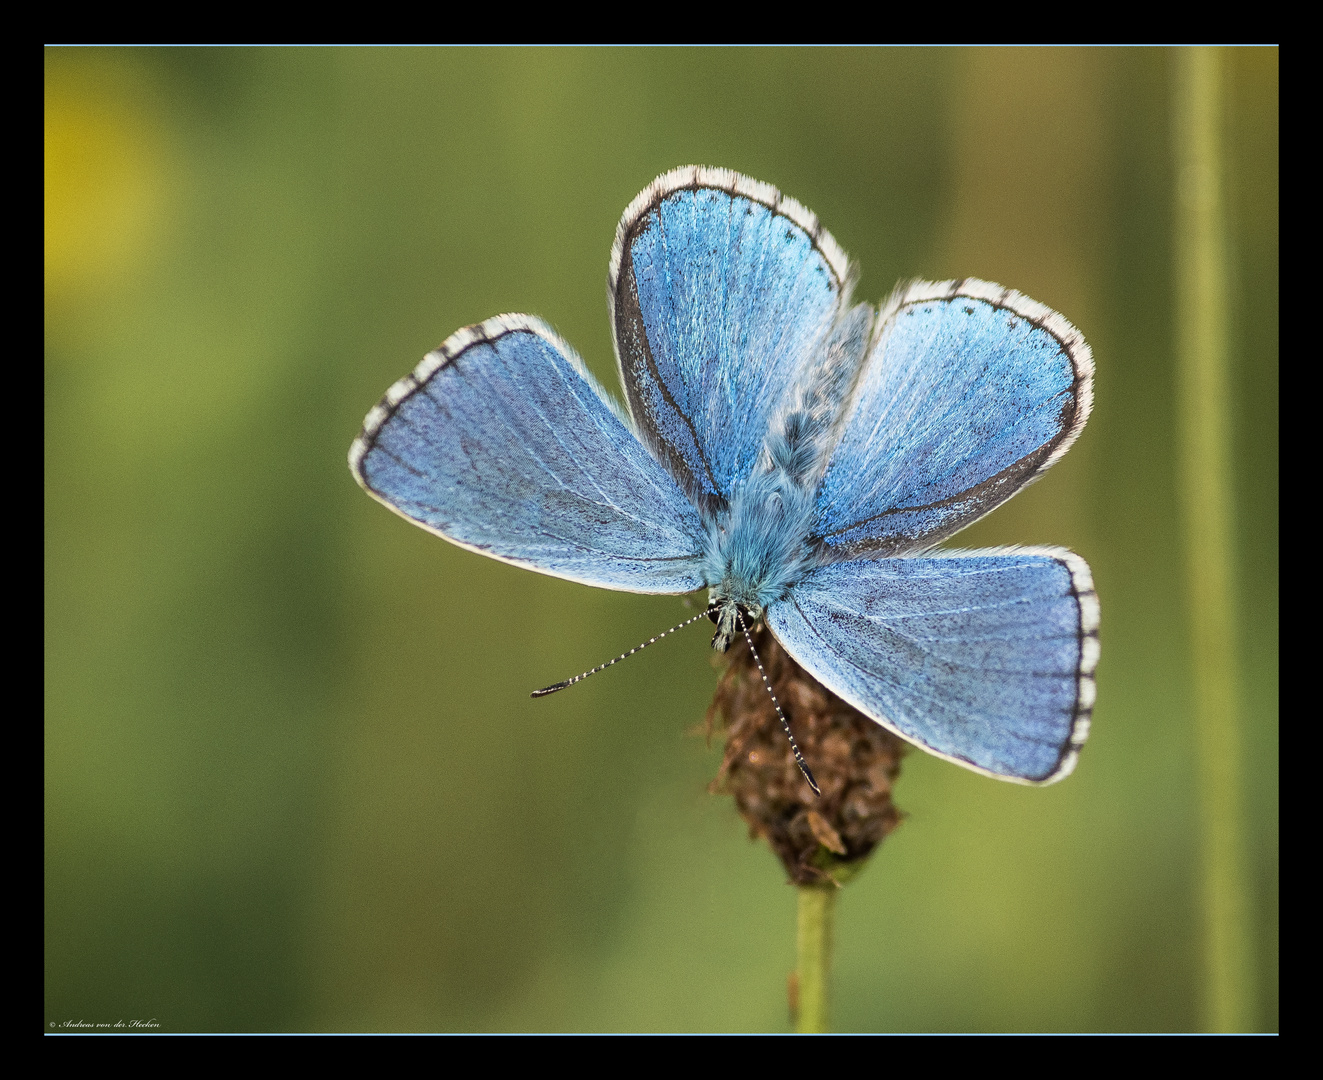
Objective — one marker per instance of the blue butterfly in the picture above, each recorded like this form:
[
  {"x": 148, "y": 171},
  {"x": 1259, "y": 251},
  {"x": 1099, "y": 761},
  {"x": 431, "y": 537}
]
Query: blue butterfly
[{"x": 797, "y": 455}]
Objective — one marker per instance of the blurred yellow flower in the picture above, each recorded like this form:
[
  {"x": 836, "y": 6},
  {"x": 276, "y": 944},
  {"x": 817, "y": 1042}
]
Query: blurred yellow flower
[{"x": 104, "y": 178}]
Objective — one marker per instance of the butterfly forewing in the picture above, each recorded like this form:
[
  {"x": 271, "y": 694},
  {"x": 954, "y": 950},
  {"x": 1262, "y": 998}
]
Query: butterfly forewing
[
  {"x": 500, "y": 442},
  {"x": 984, "y": 658},
  {"x": 969, "y": 393}
]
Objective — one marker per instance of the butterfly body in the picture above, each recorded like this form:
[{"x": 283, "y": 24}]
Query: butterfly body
[{"x": 797, "y": 455}]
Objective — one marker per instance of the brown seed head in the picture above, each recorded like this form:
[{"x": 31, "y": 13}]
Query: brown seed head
[{"x": 854, "y": 760}]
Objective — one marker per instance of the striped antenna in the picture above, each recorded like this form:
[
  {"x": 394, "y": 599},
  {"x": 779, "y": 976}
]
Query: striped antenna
[
  {"x": 799, "y": 758},
  {"x": 623, "y": 656}
]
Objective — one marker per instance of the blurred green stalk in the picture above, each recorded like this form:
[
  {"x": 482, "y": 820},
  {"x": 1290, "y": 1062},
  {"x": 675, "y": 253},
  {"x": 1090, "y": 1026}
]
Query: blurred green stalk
[
  {"x": 817, "y": 910},
  {"x": 1203, "y": 297}
]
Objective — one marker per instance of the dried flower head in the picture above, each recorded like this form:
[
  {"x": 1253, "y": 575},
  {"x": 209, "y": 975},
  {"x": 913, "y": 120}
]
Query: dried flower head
[{"x": 855, "y": 761}]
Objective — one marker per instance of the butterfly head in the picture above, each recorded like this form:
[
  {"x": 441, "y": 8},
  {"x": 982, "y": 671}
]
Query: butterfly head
[{"x": 727, "y": 615}]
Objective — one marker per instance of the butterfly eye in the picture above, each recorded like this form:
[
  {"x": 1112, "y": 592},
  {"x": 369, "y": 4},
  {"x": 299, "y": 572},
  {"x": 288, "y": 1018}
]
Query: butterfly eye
[{"x": 714, "y": 612}]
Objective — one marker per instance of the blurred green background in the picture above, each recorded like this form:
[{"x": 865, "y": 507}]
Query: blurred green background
[{"x": 293, "y": 776}]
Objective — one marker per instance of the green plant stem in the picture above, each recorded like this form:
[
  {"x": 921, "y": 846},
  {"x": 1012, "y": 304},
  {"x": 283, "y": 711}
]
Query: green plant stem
[
  {"x": 1203, "y": 297},
  {"x": 817, "y": 912}
]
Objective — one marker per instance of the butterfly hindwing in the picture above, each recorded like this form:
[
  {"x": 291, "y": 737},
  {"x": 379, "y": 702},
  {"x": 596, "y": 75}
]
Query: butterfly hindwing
[
  {"x": 722, "y": 291},
  {"x": 983, "y": 658},
  {"x": 969, "y": 393},
  {"x": 501, "y": 442}
]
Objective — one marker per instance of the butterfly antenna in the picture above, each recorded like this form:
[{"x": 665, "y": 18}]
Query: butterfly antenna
[
  {"x": 799, "y": 758},
  {"x": 623, "y": 656}
]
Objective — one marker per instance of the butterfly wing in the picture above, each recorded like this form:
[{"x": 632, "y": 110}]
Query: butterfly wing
[
  {"x": 985, "y": 658},
  {"x": 721, "y": 290},
  {"x": 501, "y": 442},
  {"x": 969, "y": 392}
]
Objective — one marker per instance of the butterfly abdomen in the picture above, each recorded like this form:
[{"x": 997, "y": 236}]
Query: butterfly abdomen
[{"x": 795, "y": 449}]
